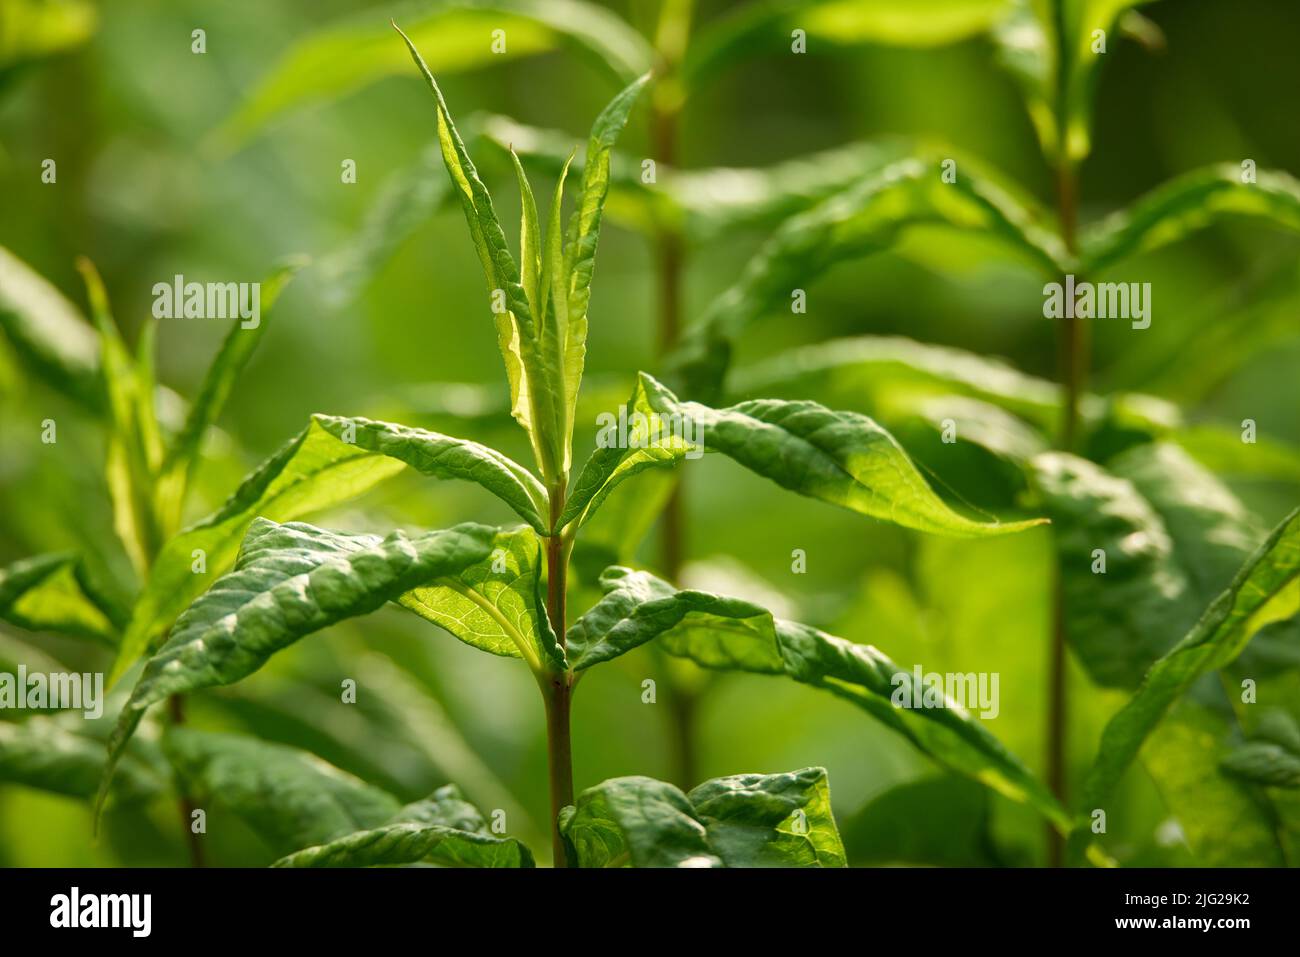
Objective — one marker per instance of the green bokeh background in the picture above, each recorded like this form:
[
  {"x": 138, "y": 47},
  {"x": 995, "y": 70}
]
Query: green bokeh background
[{"x": 126, "y": 115}]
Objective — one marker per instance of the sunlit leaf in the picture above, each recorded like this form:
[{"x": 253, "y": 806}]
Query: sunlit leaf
[{"x": 52, "y": 593}]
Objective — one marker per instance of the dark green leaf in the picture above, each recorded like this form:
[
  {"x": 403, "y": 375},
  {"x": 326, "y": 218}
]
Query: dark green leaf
[
  {"x": 1264, "y": 590},
  {"x": 290, "y": 798}
]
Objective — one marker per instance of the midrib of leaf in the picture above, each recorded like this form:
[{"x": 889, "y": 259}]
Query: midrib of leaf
[{"x": 526, "y": 650}]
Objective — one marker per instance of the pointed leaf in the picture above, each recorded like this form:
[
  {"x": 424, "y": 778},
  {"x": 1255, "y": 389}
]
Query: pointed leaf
[
  {"x": 290, "y": 798},
  {"x": 842, "y": 458},
  {"x": 534, "y": 403},
  {"x": 730, "y": 634},
  {"x": 357, "y": 51},
  {"x": 229, "y": 362},
  {"x": 277, "y": 595},
  {"x": 1187, "y": 203},
  {"x": 1264, "y": 590},
  {"x": 51, "y": 593},
  {"x": 866, "y": 218},
  {"x": 317, "y": 469}
]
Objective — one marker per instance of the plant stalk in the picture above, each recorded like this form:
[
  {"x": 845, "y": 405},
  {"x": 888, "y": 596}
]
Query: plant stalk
[
  {"x": 671, "y": 40},
  {"x": 1073, "y": 351},
  {"x": 557, "y": 687},
  {"x": 176, "y": 709}
]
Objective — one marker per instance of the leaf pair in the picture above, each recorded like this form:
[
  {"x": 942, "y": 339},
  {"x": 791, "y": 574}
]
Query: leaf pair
[
  {"x": 541, "y": 303},
  {"x": 747, "y": 820}
]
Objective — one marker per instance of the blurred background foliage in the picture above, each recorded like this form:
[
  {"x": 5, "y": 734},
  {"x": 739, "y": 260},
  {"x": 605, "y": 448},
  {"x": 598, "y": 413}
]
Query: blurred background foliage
[{"x": 156, "y": 176}]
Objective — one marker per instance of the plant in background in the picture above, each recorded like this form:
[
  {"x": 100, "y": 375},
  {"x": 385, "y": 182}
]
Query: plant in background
[
  {"x": 503, "y": 590},
  {"x": 147, "y": 472}
]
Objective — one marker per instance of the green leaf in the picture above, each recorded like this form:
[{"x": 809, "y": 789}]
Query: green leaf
[
  {"x": 1262, "y": 762},
  {"x": 766, "y": 26},
  {"x": 534, "y": 401},
  {"x": 866, "y": 218},
  {"x": 354, "y": 53},
  {"x": 34, "y": 29},
  {"x": 411, "y": 844},
  {"x": 703, "y": 205},
  {"x": 580, "y": 249},
  {"x": 1222, "y": 451},
  {"x": 1169, "y": 533},
  {"x": 1264, "y": 590},
  {"x": 52, "y": 593},
  {"x": 442, "y": 829},
  {"x": 497, "y": 604},
  {"x": 406, "y": 200},
  {"x": 1187, "y": 203},
  {"x": 770, "y": 820},
  {"x": 277, "y": 595},
  {"x": 730, "y": 634},
  {"x": 636, "y": 822},
  {"x": 317, "y": 469},
  {"x": 936, "y": 822},
  {"x": 46, "y": 754},
  {"x": 229, "y": 362},
  {"x": 1047, "y": 45},
  {"x": 747, "y": 820},
  {"x": 49, "y": 333},
  {"x": 290, "y": 798},
  {"x": 842, "y": 458}
]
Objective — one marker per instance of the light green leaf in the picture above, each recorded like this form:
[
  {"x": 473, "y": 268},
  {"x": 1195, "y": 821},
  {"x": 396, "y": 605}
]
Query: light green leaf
[
  {"x": 1264, "y": 590},
  {"x": 580, "y": 249},
  {"x": 52, "y": 593},
  {"x": 1221, "y": 450},
  {"x": 290, "y": 798},
  {"x": 49, "y": 333},
  {"x": 1187, "y": 203},
  {"x": 766, "y": 26},
  {"x": 534, "y": 401},
  {"x": 842, "y": 458},
  {"x": 229, "y": 362},
  {"x": 352, "y": 54},
  {"x": 729, "y": 634},
  {"x": 317, "y": 469},
  {"x": 1048, "y": 46},
  {"x": 33, "y": 29},
  {"x": 866, "y": 218},
  {"x": 277, "y": 595}
]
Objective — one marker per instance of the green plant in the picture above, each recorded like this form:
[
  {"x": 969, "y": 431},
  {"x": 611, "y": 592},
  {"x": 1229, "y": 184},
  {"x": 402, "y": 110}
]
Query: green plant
[{"x": 504, "y": 590}]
